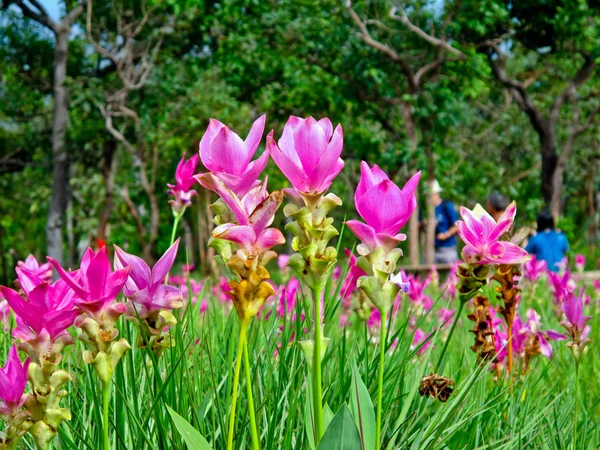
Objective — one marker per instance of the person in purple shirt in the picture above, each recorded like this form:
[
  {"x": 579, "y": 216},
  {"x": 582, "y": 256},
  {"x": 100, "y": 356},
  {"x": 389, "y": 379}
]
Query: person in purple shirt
[{"x": 548, "y": 244}]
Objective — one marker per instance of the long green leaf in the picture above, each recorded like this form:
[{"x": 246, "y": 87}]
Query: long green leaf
[
  {"x": 362, "y": 410},
  {"x": 342, "y": 433},
  {"x": 191, "y": 436}
]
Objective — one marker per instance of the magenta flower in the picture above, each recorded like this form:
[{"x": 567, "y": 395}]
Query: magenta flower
[
  {"x": 534, "y": 269},
  {"x": 579, "y": 262},
  {"x": 481, "y": 234},
  {"x": 254, "y": 212},
  {"x": 229, "y": 158},
  {"x": 184, "y": 176},
  {"x": 145, "y": 288},
  {"x": 46, "y": 312},
  {"x": 96, "y": 285},
  {"x": 287, "y": 298},
  {"x": 43, "y": 271},
  {"x": 385, "y": 208},
  {"x": 576, "y": 322},
  {"x": 308, "y": 153},
  {"x": 560, "y": 285},
  {"x": 421, "y": 339},
  {"x": 532, "y": 329},
  {"x": 352, "y": 276},
  {"x": 13, "y": 379}
]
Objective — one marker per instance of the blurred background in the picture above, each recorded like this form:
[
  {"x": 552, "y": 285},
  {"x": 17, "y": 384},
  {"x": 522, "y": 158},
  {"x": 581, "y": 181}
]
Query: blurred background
[{"x": 100, "y": 99}]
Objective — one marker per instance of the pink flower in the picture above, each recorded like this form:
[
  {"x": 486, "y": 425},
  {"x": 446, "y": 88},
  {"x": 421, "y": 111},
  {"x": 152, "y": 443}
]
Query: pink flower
[
  {"x": 576, "y": 322},
  {"x": 184, "y": 176},
  {"x": 228, "y": 157},
  {"x": 532, "y": 329},
  {"x": 481, "y": 235},
  {"x": 534, "y": 269},
  {"x": 282, "y": 261},
  {"x": 308, "y": 153},
  {"x": 13, "y": 379},
  {"x": 560, "y": 285},
  {"x": 352, "y": 276},
  {"x": 579, "y": 262},
  {"x": 145, "y": 287},
  {"x": 48, "y": 309},
  {"x": 96, "y": 285},
  {"x": 287, "y": 298},
  {"x": 385, "y": 208},
  {"x": 421, "y": 338},
  {"x": 445, "y": 316},
  {"x": 43, "y": 271},
  {"x": 254, "y": 212},
  {"x": 4, "y": 314}
]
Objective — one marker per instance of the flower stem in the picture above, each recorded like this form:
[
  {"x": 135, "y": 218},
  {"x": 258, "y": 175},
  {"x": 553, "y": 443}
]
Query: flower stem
[
  {"x": 236, "y": 382},
  {"x": 382, "y": 342},
  {"x": 509, "y": 337},
  {"x": 175, "y": 224},
  {"x": 106, "y": 387},
  {"x": 440, "y": 363},
  {"x": 251, "y": 412},
  {"x": 316, "y": 366},
  {"x": 576, "y": 404}
]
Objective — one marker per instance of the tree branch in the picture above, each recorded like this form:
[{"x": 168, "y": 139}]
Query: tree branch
[{"x": 403, "y": 18}]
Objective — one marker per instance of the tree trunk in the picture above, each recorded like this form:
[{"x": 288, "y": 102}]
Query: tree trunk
[
  {"x": 60, "y": 174},
  {"x": 109, "y": 169},
  {"x": 549, "y": 166}
]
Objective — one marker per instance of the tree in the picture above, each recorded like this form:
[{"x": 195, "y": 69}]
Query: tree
[{"x": 60, "y": 174}]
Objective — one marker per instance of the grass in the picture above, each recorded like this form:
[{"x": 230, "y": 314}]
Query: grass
[{"x": 194, "y": 378}]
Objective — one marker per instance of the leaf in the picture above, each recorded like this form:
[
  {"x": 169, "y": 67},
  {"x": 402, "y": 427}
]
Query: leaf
[
  {"x": 342, "y": 433},
  {"x": 327, "y": 415},
  {"x": 309, "y": 421},
  {"x": 192, "y": 437},
  {"x": 362, "y": 410}
]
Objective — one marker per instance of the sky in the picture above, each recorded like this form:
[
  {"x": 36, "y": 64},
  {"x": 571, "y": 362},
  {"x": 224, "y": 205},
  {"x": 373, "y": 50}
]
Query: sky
[{"x": 54, "y": 8}]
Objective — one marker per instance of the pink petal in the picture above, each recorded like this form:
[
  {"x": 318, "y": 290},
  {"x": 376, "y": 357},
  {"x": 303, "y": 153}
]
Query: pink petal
[
  {"x": 325, "y": 123},
  {"x": 409, "y": 189},
  {"x": 269, "y": 237},
  {"x": 264, "y": 213},
  {"x": 555, "y": 335},
  {"x": 382, "y": 206},
  {"x": 467, "y": 235},
  {"x": 214, "y": 126},
  {"x": 545, "y": 347},
  {"x": 251, "y": 174},
  {"x": 309, "y": 143},
  {"x": 329, "y": 160},
  {"x": 255, "y": 135},
  {"x": 213, "y": 183},
  {"x": 27, "y": 279},
  {"x": 474, "y": 225},
  {"x": 229, "y": 152},
  {"x": 291, "y": 171},
  {"x": 97, "y": 273},
  {"x": 140, "y": 272},
  {"x": 242, "y": 235},
  {"x": 68, "y": 278},
  {"x": 164, "y": 264},
  {"x": 364, "y": 232}
]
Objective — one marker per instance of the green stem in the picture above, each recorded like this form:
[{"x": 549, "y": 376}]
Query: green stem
[
  {"x": 440, "y": 363},
  {"x": 106, "y": 386},
  {"x": 382, "y": 341},
  {"x": 175, "y": 224},
  {"x": 316, "y": 366},
  {"x": 253, "y": 427},
  {"x": 236, "y": 382},
  {"x": 576, "y": 404}
]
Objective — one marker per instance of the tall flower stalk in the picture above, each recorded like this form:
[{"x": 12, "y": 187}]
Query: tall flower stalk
[
  {"x": 182, "y": 192},
  {"x": 96, "y": 287},
  {"x": 485, "y": 252},
  {"x": 386, "y": 209},
  {"x": 308, "y": 154},
  {"x": 242, "y": 237},
  {"x": 13, "y": 379},
  {"x": 43, "y": 317},
  {"x": 576, "y": 324}
]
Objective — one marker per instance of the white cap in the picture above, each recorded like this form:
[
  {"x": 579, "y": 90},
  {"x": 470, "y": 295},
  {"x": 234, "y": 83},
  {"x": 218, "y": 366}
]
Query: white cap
[{"x": 434, "y": 187}]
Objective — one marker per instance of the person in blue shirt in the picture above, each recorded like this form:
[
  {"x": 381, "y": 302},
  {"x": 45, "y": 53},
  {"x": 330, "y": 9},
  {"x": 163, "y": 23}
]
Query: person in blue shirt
[
  {"x": 548, "y": 244},
  {"x": 445, "y": 228}
]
